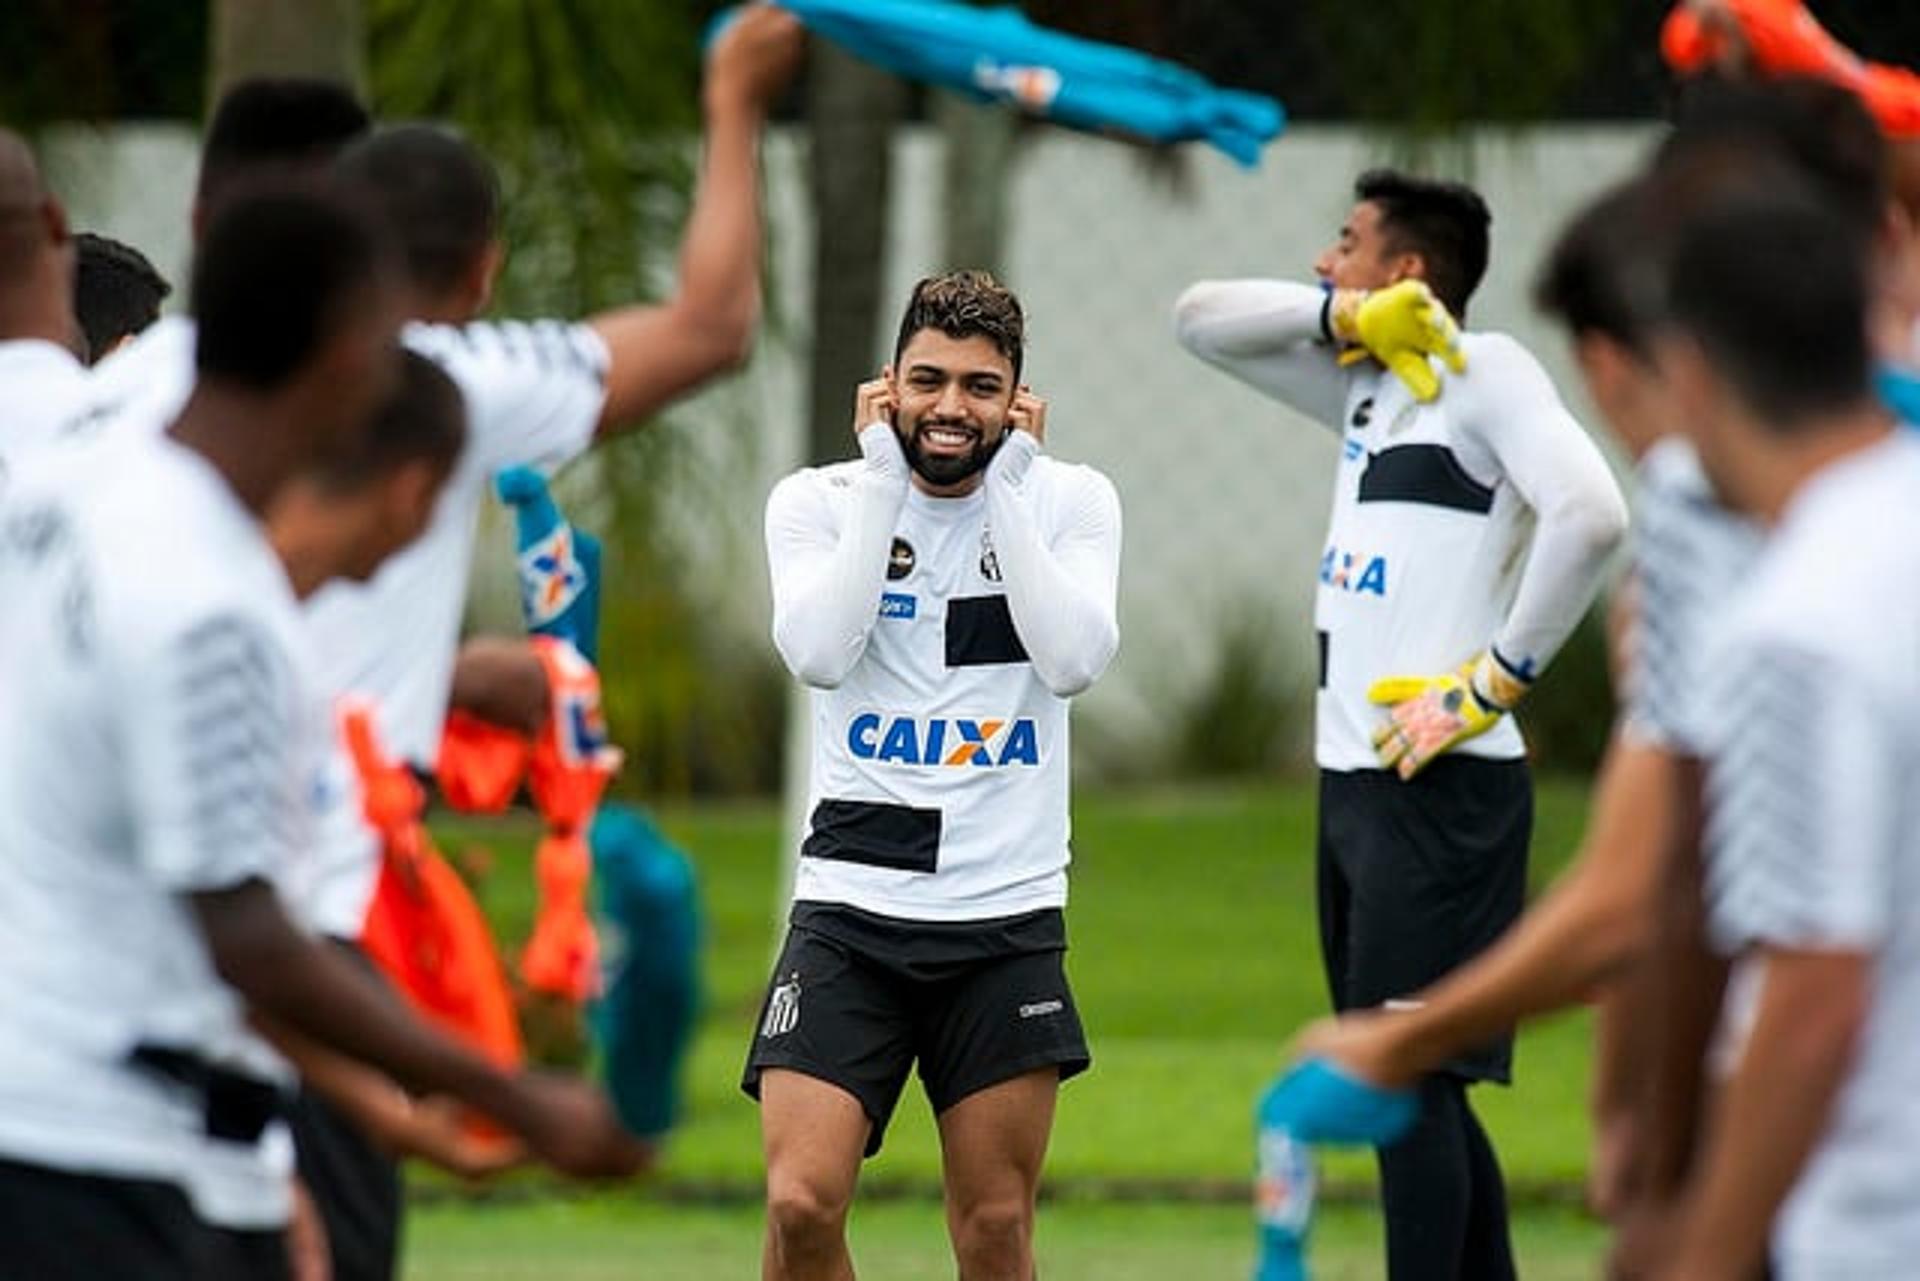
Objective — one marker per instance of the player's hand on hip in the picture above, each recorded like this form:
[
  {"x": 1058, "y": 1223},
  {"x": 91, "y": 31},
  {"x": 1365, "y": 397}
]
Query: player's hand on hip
[
  {"x": 1029, "y": 414},
  {"x": 1429, "y": 715},
  {"x": 754, "y": 58},
  {"x": 1401, "y": 326},
  {"x": 570, "y": 1124}
]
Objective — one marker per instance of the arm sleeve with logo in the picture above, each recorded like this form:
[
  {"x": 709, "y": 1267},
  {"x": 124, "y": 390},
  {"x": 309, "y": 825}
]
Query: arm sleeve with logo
[
  {"x": 212, "y": 755},
  {"x": 1061, "y": 567},
  {"x": 1510, "y": 409},
  {"x": 1271, "y": 335},
  {"x": 533, "y": 391},
  {"x": 1803, "y": 793},
  {"x": 828, "y": 572}
]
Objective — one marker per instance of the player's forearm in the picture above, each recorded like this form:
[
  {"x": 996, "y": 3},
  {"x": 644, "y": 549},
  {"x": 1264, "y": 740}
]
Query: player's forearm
[
  {"x": 308, "y": 988},
  {"x": 1774, "y": 1109},
  {"x": 1573, "y": 546},
  {"x": 1063, "y": 601},
  {"x": 827, "y": 585},
  {"x": 1271, "y": 334}
]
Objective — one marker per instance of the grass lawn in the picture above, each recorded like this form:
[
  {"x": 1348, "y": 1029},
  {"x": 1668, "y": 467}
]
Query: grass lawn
[{"x": 1193, "y": 956}]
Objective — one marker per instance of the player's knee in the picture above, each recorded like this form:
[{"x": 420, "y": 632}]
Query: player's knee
[
  {"x": 803, "y": 1218},
  {"x": 994, "y": 1238}
]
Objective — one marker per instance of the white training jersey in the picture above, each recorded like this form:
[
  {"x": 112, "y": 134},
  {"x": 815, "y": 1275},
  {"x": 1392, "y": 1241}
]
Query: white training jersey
[
  {"x": 43, "y": 389},
  {"x": 155, "y": 726},
  {"x": 1814, "y": 826},
  {"x": 533, "y": 395},
  {"x": 1483, "y": 519},
  {"x": 943, "y": 638},
  {"x": 1690, "y": 556}
]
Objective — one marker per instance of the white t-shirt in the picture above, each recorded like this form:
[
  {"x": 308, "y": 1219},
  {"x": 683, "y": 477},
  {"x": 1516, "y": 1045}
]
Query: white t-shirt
[
  {"x": 1485, "y": 518},
  {"x": 943, "y": 638},
  {"x": 534, "y": 393},
  {"x": 43, "y": 389},
  {"x": 152, "y": 730},
  {"x": 1814, "y": 827}
]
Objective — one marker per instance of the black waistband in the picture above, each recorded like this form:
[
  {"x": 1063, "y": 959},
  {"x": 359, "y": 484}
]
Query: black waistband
[{"x": 238, "y": 1107}]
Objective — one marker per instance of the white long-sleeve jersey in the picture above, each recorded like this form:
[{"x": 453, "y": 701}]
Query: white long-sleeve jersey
[
  {"x": 1485, "y": 518},
  {"x": 943, "y": 638}
]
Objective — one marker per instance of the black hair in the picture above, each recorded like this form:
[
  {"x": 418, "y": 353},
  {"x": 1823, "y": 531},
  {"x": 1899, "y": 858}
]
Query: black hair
[
  {"x": 1604, "y": 273},
  {"x": 438, "y": 193},
  {"x": 966, "y": 304},
  {"x": 279, "y": 272},
  {"x": 116, "y": 291},
  {"x": 424, "y": 421},
  {"x": 272, "y": 126},
  {"x": 1446, "y": 223},
  {"x": 1822, "y": 130},
  {"x": 1772, "y": 283}
]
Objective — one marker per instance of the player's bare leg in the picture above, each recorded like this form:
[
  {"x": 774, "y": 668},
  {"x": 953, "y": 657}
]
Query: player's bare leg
[
  {"x": 992, "y": 1144},
  {"x": 814, "y": 1135}
]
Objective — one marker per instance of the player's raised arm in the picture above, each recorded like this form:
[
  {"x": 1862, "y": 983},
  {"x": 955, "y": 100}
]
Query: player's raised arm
[
  {"x": 1062, "y": 568},
  {"x": 659, "y": 353},
  {"x": 828, "y": 537},
  {"x": 1273, "y": 335}
]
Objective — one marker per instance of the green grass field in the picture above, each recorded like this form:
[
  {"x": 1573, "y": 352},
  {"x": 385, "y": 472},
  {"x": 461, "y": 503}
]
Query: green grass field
[{"x": 1193, "y": 956}]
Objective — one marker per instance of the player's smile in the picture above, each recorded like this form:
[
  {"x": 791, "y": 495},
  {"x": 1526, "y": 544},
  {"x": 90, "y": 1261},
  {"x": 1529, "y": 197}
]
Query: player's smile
[{"x": 947, "y": 438}]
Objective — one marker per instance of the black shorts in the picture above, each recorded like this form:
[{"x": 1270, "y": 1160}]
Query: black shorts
[
  {"x": 1418, "y": 876},
  {"x": 59, "y": 1226},
  {"x": 856, "y": 999},
  {"x": 249, "y": 1256}
]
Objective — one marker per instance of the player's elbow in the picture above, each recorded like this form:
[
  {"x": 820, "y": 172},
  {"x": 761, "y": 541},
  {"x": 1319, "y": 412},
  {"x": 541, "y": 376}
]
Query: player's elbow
[
  {"x": 1596, "y": 521},
  {"x": 1191, "y": 312},
  {"x": 1074, "y": 673},
  {"x": 813, "y": 664}
]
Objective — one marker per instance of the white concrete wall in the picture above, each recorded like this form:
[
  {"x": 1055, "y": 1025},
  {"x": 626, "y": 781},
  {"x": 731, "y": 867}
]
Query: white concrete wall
[{"x": 1224, "y": 492}]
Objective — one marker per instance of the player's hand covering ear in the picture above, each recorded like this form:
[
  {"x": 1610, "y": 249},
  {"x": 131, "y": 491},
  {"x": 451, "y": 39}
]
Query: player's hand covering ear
[
  {"x": 1400, "y": 326},
  {"x": 1432, "y": 714}
]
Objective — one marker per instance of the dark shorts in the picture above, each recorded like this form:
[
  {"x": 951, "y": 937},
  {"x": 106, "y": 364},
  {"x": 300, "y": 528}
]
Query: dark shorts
[
  {"x": 58, "y": 1226},
  {"x": 1416, "y": 877},
  {"x": 249, "y": 1256},
  {"x": 857, "y": 999},
  {"x": 355, "y": 1185}
]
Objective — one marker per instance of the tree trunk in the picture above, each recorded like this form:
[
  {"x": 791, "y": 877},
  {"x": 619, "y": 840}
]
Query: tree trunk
[
  {"x": 319, "y": 39},
  {"x": 978, "y": 163},
  {"x": 852, "y": 108}
]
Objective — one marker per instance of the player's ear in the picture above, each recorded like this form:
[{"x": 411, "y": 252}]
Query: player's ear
[{"x": 1407, "y": 266}]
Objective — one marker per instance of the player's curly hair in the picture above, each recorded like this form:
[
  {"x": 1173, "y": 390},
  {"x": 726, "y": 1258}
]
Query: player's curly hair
[{"x": 966, "y": 304}]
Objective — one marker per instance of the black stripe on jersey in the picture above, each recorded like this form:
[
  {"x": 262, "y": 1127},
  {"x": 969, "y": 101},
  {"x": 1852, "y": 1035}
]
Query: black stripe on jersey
[
  {"x": 900, "y": 837},
  {"x": 1427, "y": 474},
  {"x": 1323, "y": 658},
  {"x": 980, "y": 632}
]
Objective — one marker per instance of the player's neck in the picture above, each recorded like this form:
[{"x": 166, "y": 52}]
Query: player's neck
[
  {"x": 31, "y": 312},
  {"x": 959, "y": 489},
  {"x": 1818, "y": 446},
  {"x": 234, "y": 431}
]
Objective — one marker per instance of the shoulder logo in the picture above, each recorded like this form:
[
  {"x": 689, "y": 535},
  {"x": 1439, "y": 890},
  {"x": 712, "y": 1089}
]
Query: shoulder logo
[
  {"x": 899, "y": 560},
  {"x": 898, "y": 605},
  {"x": 1363, "y": 412}
]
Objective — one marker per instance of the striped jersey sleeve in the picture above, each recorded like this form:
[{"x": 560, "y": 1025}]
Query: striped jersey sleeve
[
  {"x": 534, "y": 390},
  {"x": 1802, "y": 791},
  {"x": 1690, "y": 554},
  {"x": 213, "y": 756}
]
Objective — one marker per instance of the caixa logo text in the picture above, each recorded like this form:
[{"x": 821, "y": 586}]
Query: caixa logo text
[
  {"x": 1347, "y": 572},
  {"x": 939, "y": 740}
]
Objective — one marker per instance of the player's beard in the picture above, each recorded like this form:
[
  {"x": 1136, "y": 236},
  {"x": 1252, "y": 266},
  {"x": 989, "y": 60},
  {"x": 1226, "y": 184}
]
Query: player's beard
[{"x": 942, "y": 470}]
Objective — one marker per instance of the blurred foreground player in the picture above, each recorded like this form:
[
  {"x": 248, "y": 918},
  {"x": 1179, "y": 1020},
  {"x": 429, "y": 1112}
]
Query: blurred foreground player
[
  {"x": 42, "y": 382},
  {"x": 944, "y": 596},
  {"x": 156, "y": 765}
]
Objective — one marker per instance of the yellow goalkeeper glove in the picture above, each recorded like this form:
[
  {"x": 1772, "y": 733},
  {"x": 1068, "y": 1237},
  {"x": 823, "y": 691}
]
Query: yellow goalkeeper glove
[
  {"x": 1430, "y": 715},
  {"x": 1399, "y": 326}
]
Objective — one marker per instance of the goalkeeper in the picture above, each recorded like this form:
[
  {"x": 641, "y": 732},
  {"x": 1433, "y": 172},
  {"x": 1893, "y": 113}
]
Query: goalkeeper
[{"x": 1472, "y": 522}]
